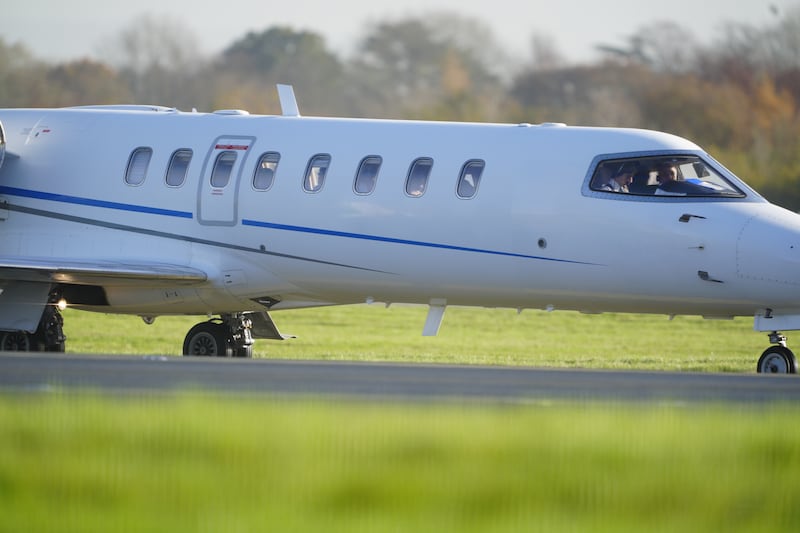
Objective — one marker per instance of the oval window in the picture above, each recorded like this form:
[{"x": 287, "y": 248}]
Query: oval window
[
  {"x": 265, "y": 171},
  {"x": 469, "y": 178},
  {"x": 223, "y": 167},
  {"x": 315, "y": 172},
  {"x": 418, "y": 174},
  {"x": 367, "y": 174},
  {"x": 178, "y": 166},
  {"x": 137, "y": 166}
]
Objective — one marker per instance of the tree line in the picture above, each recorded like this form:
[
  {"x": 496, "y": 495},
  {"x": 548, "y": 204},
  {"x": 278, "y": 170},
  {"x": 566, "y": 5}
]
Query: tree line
[{"x": 737, "y": 96}]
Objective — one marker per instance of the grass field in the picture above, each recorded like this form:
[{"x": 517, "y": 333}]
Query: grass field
[
  {"x": 80, "y": 463},
  {"x": 467, "y": 336},
  {"x": 75, "y": 461}
]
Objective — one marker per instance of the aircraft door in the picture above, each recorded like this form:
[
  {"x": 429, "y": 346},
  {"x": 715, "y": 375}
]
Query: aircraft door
[{"x": 218, "y": 194}]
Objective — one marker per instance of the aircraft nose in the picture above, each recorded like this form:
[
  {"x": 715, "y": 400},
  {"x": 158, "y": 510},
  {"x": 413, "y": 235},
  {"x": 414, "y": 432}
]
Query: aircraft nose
[{"x": 768, "y": 248}]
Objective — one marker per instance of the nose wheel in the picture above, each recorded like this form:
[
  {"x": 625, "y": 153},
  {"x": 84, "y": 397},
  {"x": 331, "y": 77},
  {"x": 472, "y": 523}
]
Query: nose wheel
[{"x": 777, "y": 359}]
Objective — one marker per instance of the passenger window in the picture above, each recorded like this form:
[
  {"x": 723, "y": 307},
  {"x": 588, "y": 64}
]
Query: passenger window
[
  {"x": 265, "y": 171},
  {"x": 178, "y": 166},
  {"x": 223, "y": 166},
  {"x": 367, "y": 174},
  {"x": 137, "y": 166},
  {"x": 418, "y": 174},
  {"x": 681, "y": 176},
  {"x": 315, "y": 172},
  {"x": 469, "y": 178}
]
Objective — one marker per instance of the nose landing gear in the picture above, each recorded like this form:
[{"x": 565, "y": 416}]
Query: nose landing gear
[{"x": 777, "y": 359}]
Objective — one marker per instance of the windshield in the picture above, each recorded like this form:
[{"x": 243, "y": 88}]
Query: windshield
[{"x": 662, "y": 176}]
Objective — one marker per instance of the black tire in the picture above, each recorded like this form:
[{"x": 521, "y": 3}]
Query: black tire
[
  {"x": 208, "y": 339},
  {"x": 16, "y": 341},
  {"x": 777, "y": 360}
]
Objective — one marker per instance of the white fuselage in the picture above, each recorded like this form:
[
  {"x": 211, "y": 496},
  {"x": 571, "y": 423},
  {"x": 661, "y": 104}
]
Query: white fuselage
[{"x": 533, "y": 236}]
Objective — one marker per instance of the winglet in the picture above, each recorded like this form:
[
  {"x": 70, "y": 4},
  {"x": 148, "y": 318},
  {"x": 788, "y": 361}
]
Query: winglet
[{"x": 288, "y": 102}]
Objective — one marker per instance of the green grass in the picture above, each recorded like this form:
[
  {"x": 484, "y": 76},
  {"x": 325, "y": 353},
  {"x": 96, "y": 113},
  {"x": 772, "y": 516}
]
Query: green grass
[
  {"x": 85, "y": 463},
  {"x": 467, "y": 336}
]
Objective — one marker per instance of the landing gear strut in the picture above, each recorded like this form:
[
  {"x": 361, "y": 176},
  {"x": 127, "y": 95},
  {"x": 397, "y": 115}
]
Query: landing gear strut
[
  {"x": 228, "y": 336},
  {"x": 777, "y": 359}
]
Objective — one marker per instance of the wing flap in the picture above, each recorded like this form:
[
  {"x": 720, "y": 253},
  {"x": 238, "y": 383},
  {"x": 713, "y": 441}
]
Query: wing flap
[{"x": 106, "y": 273}]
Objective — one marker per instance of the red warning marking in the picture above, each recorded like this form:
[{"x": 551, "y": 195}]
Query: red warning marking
[{"x": 231, "y": 147}]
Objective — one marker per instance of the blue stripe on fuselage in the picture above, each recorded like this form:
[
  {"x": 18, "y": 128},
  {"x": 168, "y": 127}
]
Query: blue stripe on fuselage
[
  {"x": 392, "y": 240},
  {"x": 77, "y": 200}
]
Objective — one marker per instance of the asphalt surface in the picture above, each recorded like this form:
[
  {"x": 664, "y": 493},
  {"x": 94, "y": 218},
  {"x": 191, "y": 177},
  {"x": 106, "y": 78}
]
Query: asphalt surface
[{"x": 32, "y": 372}]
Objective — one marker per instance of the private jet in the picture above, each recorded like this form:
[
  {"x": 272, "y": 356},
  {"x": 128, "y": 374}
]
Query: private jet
[{"x": 150, "y": 211}]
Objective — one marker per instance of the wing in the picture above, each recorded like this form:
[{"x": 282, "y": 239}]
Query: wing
[
  {"x": 98, "y": 272},
  {"x": 25, "y": 283}
]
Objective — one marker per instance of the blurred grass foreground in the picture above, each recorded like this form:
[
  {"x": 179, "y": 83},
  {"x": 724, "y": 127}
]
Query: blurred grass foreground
[
  {"x": 84, "y": 462},
  {"x": 87, "y": 463}
]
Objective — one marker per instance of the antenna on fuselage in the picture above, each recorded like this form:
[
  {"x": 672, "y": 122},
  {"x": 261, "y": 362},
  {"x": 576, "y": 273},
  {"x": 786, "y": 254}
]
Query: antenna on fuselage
[{"x": 288, "y": 101}]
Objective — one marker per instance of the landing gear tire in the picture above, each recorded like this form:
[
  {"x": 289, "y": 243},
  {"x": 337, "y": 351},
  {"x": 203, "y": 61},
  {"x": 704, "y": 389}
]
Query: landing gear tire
[
  {"x": 208, "y": 339},
  {"x": 16, "y": 341},
  {"x": 777, "y": 360},
  {"x": 228, "y": 336}
]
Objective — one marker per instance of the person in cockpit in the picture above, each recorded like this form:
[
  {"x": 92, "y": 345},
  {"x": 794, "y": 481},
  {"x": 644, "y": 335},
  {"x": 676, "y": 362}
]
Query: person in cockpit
[
  {"x": 620, "y": 180},
  {"x": 666, "y": 174},
  {"x": 670, "y": 183}
]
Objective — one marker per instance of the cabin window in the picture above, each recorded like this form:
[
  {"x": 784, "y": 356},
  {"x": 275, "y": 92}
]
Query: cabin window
[
  {"x": 265, "y": 171},
  {"x": 664, "y": 176},
  {"x": 137, "y": 165},
  {"x": 367, "y": 175},
  {"x": 178, "y": 166},
  {"x": 418, "y": 174},
  {"x": 223, "y": 166},
  {"x": 469, "y": 178},
  {"x": 315, "y": 172}
]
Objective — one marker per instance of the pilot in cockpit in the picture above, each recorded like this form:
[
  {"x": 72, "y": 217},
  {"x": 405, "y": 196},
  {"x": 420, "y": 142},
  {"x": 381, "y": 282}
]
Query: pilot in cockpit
[
  {"x": 672, "y": 184},
  {"x": 620, "y": 180},
  {"x": 666, "y": 173}
]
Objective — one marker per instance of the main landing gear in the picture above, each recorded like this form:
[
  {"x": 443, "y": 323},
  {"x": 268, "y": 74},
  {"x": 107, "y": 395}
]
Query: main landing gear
[
  {"x": 48, "y": 337},
  {"x": 777, "y": 359},
  {"x": 228, "y": 336}
]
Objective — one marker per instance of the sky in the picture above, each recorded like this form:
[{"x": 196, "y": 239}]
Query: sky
[{"x": 56, "y": 30}]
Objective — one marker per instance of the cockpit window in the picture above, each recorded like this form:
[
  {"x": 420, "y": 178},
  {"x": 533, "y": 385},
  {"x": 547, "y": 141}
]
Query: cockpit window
[{"x": 663, "y": 176}]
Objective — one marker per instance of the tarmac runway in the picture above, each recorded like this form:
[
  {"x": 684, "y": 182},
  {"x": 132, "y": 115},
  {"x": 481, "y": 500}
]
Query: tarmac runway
[{"x": 42, "y": 372}]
